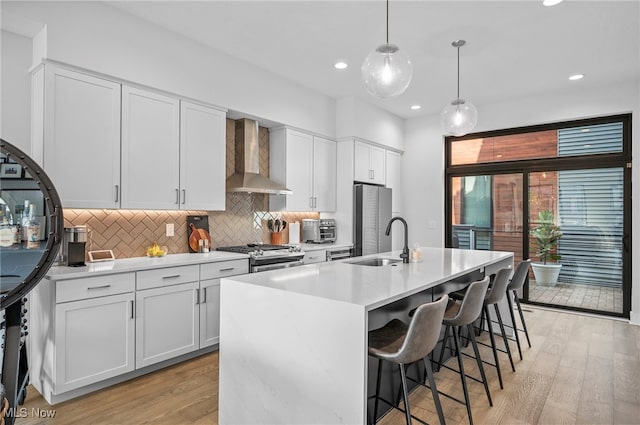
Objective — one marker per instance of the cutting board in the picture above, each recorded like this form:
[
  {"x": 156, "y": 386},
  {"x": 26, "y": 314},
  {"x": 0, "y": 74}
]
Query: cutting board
[
  {"x": 294, "y": 232},
  {"x": 197, "y": 228}
]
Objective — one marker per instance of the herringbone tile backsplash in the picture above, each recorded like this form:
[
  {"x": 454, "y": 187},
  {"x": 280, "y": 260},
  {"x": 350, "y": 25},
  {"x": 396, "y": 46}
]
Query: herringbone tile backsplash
[{"x": 129, "y": 232}]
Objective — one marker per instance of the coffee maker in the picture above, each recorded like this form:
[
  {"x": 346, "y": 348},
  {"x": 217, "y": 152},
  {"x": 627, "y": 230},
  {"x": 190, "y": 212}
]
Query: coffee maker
[{"x": 74, "y": 245}]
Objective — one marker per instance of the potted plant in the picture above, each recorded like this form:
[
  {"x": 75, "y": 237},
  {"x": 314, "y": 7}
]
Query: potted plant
[{"x": 546, "y": 236}]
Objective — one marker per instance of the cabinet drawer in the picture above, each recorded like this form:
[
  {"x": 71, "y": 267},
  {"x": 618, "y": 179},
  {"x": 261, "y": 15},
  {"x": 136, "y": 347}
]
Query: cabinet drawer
[
  {"x": 168, "y": 276},
  {"x": 92, "y": 287},
  {"x": 319, "y": 256},
  {"x": 223, "y": 268}
]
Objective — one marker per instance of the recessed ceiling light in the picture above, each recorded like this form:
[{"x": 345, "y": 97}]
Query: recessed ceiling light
[
  {"x": 340, "y": 65},
  {"x": 575, "y": 77},
  {"x": 550, "y": 2},
  {"x": 415, "y": 107}
]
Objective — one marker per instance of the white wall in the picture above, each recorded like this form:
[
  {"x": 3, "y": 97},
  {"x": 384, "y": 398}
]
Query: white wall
[
  {"x": 355, "y": 118},
  {"x": 423, "y": 180},
  {"x": 423, "y": 173},
  {"x": 15, "y": 90},
  {"x": 101, "y": 38}
]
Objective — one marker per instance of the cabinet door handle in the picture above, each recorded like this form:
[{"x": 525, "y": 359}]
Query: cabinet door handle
[
  {"x": 133, "y": 309},
  {"x": 184, "y": 196},
  {"x": 227, "y": 269},
  {"x": 98, "y": 287},
  {"x": 177, "y": 196},
  {"x": 197, "y": 296},
  {"x": 173, "y": 276},
  {"x": 117, "y": 193},
  {"x": 204, "y": 298}
]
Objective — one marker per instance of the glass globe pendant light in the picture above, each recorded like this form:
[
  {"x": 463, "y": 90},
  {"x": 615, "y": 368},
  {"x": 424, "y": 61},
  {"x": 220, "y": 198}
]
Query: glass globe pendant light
[
  {"x": 460, "y": 116},
  {"x": 386, "y": 71}
]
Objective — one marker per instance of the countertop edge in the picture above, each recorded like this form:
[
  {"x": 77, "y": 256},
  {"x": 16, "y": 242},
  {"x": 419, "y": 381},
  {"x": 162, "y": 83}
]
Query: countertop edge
[
  {"x": 306, "y": 283},
  {"x": 129, "y": 265}
]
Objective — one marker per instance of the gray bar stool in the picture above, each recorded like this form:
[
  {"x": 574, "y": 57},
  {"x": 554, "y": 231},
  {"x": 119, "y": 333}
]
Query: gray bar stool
[
  {"x": 404, "y": 344},
  {"x": 495, "y": 294},
  {"x": 464, "y": 313},
  {"x": 517, "y": 282}
]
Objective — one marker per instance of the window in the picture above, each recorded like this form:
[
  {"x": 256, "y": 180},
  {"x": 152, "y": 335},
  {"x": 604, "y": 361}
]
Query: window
[{"x": 498, "y": 183}]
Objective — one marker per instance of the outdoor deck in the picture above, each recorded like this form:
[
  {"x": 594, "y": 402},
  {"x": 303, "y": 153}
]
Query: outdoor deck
[{"x": 606, "y": 299}]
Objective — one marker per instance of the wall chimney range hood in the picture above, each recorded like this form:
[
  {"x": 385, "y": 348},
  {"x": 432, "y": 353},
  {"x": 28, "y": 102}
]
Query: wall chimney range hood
[{"x": 247, "y": 176}]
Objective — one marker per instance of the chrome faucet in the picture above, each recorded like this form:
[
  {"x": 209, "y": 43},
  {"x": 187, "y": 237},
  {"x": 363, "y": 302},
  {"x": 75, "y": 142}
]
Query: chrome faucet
[{"x": 405, "y": 249}]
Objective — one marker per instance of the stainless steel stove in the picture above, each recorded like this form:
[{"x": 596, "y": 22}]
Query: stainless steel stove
[{"x": 263, "y": 257}]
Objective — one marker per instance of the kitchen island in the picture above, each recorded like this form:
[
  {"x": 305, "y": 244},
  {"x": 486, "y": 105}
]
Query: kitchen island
[{"x": 293, "y": 343}]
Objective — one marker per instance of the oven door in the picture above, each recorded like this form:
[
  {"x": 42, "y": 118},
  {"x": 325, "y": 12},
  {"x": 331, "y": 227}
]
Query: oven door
[{"x": 276, "y": 266}]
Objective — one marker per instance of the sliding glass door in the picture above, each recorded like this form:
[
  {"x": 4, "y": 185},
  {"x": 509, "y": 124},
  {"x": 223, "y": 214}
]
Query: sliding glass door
[
  {"x": 587, "y": 206},
  {"x": 559, "y": 196}
]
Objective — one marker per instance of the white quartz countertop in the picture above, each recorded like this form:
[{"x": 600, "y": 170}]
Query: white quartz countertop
[
  {"x": 372, "y": 287},
  {"x": 140, "y": 263}
]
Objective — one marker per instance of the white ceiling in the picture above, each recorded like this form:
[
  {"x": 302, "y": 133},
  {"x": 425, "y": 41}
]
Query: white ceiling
[{"x": 514, "y": 48}]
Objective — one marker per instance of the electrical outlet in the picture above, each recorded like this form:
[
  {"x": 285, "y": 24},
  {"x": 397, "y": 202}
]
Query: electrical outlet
[{"x": 169, "y": 229}]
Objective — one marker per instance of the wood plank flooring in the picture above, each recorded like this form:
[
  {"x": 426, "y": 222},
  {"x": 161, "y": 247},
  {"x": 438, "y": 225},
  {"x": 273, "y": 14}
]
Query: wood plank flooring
[{"x": 580, "y": 370}]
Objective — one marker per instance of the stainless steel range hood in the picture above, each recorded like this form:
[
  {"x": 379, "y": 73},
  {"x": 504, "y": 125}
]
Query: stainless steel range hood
[{"x": 247, "y": 176}]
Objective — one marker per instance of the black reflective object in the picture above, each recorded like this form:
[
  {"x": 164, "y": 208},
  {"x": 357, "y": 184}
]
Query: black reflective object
[
  {"x": 22, "y": 269},
  {"x": 12, "y": 289}
]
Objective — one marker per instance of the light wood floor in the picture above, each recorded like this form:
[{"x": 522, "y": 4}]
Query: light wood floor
[{"x": 580, "y": 370}]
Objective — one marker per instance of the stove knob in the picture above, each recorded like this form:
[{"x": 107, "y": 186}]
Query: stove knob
[{"x": 260, "y": 252}]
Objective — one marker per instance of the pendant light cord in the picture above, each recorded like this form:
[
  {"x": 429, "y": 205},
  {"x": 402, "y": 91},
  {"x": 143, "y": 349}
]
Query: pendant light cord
[
  {"x": 387, "y": 21},
  {"x": 458, "y": 72}
]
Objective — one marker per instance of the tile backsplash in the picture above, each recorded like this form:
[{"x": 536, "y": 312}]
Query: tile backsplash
[{"x": 129, "y": 232}]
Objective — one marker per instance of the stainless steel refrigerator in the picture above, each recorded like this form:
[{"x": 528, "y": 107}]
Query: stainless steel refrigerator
[{"x": 371, "y": 212}]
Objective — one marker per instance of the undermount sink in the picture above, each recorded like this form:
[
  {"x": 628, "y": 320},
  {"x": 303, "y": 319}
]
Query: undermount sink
[{"x": 375, "y": 262}]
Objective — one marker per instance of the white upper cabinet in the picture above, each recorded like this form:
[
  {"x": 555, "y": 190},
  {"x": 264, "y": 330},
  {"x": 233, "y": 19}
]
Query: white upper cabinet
[
  {"x": 394, "y": 179},
  {"x": 324, "y": 174},
  {"x": 81, "y": 146},
  {"x": 292, "y": 151},
  {"x": 202, "y": 157},
  {"x": 306, "y": 165},
  {"x": 150, "y": 150},
  {"x": 369, "y": 165},
  {"x": 109, "y": 145}
]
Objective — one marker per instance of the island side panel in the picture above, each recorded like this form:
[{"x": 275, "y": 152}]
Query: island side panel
[{"x": 289, "y": 358}]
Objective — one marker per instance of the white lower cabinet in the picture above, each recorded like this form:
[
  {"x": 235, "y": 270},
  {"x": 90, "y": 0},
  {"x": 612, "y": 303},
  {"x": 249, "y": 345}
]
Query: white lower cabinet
[
  {"x": 167, "y": 319},
  {"x": 88, "y": 333},
  {"x": 167, "y": 323},
  {"x": 209, "y": 312},
  {"x": 94, "y": 340},
  {"x": 210, "y": 275}
]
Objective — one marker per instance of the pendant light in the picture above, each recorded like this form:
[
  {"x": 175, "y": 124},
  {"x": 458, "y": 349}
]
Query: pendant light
[
  {"x": 460, "y": 116},
  {"x": 386, "y": 71}
]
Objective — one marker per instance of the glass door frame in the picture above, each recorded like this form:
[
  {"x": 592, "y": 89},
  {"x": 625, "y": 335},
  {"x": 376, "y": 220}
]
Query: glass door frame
[{"x": 527, "y": 166}]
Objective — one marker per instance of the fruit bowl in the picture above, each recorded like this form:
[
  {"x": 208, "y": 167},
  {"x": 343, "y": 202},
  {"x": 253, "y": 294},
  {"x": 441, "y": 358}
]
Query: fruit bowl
[{"x": 156, "y": 251}]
